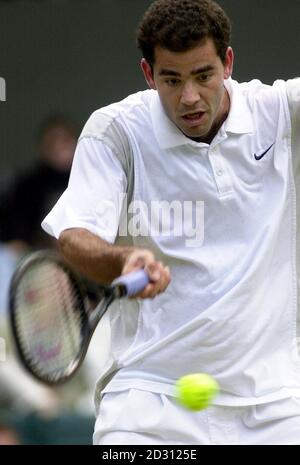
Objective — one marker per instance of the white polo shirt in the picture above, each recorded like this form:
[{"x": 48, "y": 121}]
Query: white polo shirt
[{"x": 231, "y": 307}]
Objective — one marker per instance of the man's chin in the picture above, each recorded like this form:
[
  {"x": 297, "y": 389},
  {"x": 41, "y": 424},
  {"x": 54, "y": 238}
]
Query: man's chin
[{"x": 195, "y": 133}]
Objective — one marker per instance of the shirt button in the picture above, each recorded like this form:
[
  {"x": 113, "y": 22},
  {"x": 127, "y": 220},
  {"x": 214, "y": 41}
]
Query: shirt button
[{"x": 220, "y": 172}]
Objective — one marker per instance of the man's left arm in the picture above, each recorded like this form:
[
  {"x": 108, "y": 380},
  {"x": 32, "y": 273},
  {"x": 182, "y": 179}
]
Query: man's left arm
[{"x": 293, "y": 94}]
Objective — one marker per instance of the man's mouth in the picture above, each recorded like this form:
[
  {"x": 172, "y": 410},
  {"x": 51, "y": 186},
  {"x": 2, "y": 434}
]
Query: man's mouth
[{"x": 195, "y": 117}]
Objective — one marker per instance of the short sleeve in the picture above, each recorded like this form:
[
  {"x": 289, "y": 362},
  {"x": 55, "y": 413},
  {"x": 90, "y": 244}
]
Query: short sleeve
[{"x": 95, "y": 195}]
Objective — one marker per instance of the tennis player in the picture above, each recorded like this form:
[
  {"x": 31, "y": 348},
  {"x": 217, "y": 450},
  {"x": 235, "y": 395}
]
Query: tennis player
[{"x": 219, "y": 155}]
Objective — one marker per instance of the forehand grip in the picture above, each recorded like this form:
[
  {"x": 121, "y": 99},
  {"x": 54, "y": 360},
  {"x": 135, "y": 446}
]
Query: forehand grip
[{"x": 133, "y": 282}]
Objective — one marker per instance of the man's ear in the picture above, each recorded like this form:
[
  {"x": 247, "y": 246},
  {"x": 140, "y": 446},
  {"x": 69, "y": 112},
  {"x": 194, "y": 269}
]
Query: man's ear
[
  {"x": 148, "y": 74},
  {"x": 228, "y": 66}
]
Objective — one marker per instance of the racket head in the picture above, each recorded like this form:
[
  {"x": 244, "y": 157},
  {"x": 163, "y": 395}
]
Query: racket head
[{"x": 48, "y": 311}]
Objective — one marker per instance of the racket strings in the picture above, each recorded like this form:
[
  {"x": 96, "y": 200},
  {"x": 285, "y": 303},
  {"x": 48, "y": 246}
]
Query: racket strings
[{"x": 49, "y": 320}]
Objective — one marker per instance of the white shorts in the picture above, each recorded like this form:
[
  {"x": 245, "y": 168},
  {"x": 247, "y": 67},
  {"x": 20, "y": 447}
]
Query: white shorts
[{"x": 135, "y": 417}]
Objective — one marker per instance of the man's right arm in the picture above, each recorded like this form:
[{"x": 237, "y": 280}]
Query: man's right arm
[
  {"x": 101, "y": 261},
  {"x": 85, "y": 220}
]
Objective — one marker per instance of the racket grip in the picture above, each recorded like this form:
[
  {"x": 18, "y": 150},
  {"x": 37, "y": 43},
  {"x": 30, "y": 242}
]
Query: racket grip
[{"x": 133, "y": 282}]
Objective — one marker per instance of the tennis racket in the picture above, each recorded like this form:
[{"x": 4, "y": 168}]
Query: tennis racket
[{"x": 51, "y": 317}]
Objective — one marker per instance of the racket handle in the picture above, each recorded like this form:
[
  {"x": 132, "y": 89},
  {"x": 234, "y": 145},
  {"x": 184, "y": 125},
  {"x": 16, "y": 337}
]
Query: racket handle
[{"x": 133, "y": 282}]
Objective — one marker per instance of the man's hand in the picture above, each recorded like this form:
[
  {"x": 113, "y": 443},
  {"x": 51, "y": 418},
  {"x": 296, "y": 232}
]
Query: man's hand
[{"x": 158, "y": 273}]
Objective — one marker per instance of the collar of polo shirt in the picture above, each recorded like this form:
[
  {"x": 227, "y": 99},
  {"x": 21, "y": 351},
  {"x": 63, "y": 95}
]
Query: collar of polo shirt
[{"x": 239, "y": 120}]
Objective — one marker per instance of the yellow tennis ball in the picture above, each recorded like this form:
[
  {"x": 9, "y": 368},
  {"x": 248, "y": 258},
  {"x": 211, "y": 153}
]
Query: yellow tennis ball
[{"x": 196, "y": 391}]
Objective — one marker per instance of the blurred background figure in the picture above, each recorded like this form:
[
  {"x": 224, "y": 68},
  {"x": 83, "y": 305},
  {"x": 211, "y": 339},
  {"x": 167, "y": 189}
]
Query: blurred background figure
[{"x": 32, "y": 193}]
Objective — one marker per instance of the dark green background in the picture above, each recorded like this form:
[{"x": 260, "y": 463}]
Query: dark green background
[{"x": 75, "y": 56}]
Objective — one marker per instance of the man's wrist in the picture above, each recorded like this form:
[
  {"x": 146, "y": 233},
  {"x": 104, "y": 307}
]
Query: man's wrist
[{"x": 123, "y": 253}]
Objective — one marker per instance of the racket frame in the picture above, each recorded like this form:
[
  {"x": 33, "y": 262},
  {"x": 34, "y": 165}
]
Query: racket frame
[{"x": 87, "y": 327}]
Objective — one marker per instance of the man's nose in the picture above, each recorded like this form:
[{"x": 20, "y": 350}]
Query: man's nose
[{"x": 190, "y": 94}]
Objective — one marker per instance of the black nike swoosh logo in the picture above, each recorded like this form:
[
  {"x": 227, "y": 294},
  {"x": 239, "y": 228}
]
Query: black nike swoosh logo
[{"x": 259, "y": 157}]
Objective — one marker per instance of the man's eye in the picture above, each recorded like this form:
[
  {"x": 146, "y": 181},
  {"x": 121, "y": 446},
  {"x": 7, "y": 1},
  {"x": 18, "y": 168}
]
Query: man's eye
[
  {"x": 172, "y": 82},
  {"x": 204, "y": 77}
]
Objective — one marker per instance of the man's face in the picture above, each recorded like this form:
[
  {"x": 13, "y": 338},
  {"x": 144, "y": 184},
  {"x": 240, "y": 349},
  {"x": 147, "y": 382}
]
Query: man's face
[{"x": 191, "y": 87}]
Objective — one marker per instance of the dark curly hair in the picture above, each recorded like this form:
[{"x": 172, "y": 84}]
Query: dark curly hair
[{"x": 178, "y": 25}]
